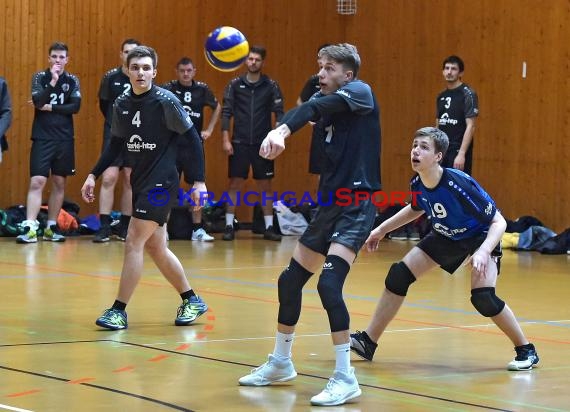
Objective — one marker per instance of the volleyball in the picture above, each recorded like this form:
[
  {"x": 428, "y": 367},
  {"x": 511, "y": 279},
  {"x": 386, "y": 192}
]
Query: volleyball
[{"x": 226, "y": 48}]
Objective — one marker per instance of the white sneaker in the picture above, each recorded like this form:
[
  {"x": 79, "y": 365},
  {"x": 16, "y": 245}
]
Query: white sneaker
[
  {"x": 270, "y": 372},
  {"x": 341, "y": 388},
  {"x": 201, "y": 236}
]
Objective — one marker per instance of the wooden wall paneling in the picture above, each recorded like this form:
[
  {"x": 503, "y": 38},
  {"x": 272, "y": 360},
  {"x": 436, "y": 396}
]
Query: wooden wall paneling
[{"x": 522, "y": 131}]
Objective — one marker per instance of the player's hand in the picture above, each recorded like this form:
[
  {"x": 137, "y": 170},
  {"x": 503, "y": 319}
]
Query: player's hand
[
  {"x": 227, "y": 147},
  {"x": 87, "y": 191},
  {"x": 56, "y": 71},
  {"x": 46, "y": 108},
  {"x": 374, "y": 239},
  {"x": 459, "y": 161},
  {"x": 199, "y": 195},
  {"x": 479, "y": 261},
  {"x": 205, "y": 134},
  {"x": 273, "y": 145}
]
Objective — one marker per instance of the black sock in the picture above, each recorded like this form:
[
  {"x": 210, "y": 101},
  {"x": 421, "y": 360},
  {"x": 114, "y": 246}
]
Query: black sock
[
  {"x": 196, "y": 226},
  {"x": 367, "y": 338},
  {"x": 125, "y": 219},
  {"x": 119, "y": 305},
  {"x": 105, "y": 220},
  {"x": 187, "y": 294}
]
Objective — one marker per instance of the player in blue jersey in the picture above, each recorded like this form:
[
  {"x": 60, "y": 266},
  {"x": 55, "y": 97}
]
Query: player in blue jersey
[
  {"x": 465, "y": 225},
  {"x": 114, "y": 83},
  {"x": 147, "y": 123},
  {"x": 351, "y": 160},
  {"x": 56, "y": 97}
]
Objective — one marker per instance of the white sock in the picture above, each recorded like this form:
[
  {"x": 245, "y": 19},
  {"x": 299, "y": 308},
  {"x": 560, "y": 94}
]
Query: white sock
[
  {"x": 268, "y": 221},
  {"x": 230, "y": 219},
  {"x": 51, "y": 223},
  {"x": 283, "y": 345},
  {"x": 342, "y": 357}
]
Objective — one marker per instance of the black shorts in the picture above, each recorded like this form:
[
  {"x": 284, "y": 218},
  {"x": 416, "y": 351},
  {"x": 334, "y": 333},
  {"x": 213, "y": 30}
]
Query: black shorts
[
  {"x": 450, "y": 157},
  {"x": 347, "y": 225},
  {"x": 155, "y": 206},
  {"x": 119, "y": 160},
  {"x": 57, "y": 156},
  {"x": 184, "y": 161},
  {"x": 450, "y": 254},
  {"x": 245, "y": 156}
]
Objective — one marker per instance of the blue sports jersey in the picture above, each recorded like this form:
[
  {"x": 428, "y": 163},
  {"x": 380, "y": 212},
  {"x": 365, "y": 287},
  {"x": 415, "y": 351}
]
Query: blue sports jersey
[{"x": 458, "y": 205}]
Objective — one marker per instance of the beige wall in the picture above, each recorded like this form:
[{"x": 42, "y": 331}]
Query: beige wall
[{"x": 522, "y": 142}]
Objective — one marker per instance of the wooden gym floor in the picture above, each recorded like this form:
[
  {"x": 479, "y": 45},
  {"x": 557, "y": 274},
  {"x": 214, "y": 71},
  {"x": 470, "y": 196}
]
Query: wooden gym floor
[{"x": 438, "y": 354}]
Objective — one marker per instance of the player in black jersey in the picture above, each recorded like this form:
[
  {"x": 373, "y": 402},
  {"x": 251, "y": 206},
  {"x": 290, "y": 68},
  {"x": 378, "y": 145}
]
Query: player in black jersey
[
  {"x": 351, "y": 117},
  {"x": 114, "y": 83},
  {"x": 250, "y": 100},
  {"x": 465, "y": 224},
  {"x": 193, "y": 96},
  {"x": 457, "y": 109},
  {"x": 56, "y": 97},
  {"x": 311, "y": 87},
  {"x": 5, "y": 115},
  {"x": 147, "y": 122}
]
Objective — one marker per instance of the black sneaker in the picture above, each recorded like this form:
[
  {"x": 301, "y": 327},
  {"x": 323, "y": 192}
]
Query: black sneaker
[
  {"x": 119, "y": 230},
  {"x": 270, "y": 234},
  {"x": 362, "y": 345},
  {"x": 526, "y": 358},
  {"x": 229, "y": 233},
  {"x": 103, "y": 235},
  {"x": 398, "y": 234}
]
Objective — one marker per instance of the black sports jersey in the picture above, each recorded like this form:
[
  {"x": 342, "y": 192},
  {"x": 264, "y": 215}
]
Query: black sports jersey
[
  {"x": 65, "y": 100},
  {"x": 251, "y": 105},
  {"x": 193, "y": 98},
  {"x": 150, "y": 124},
  {"x": 453, "y": 107},
  {"x": 311, "y": 87},
  {"x": 458, "y": 205},
  {"x": 351, "y": 139},
  {"x": 113, "y": 84}
]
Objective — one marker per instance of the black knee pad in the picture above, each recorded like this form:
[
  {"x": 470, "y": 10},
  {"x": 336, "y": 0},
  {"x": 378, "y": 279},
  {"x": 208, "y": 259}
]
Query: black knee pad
[
  {"x": 329, "y": 286},
  {"x": 399, "y": 279},
  {"x": 290, "y": 286},
  {"x": 486, "y": 302}
]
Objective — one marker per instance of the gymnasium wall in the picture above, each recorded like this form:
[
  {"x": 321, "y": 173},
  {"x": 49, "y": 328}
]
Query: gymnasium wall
[{"x": 522, "y": 143}]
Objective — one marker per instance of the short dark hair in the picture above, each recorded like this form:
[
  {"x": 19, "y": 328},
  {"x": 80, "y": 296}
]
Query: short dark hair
[
  {"x": 453, "y": 59},
  {"x": 58, "y": 45},
  {"x": 184, "y": 61},
  {"x": 258, "y": 50},
  {"x": 130, "y": 41},
  {"x": 143, "y": 51}
]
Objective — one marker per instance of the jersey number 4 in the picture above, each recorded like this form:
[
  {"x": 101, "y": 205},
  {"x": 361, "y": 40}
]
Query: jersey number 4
[{"x": 137, "y": 119}]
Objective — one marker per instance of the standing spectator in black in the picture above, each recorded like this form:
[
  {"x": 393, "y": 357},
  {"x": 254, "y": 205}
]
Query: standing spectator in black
[
  {"x": 5, "y": 115},
  {"x": 311, "y": 87},
  {"x": 114, "y": 83},
  {"x": 56, "y": 98},
  {"x": 457, "y": 110},
  {"x": 193, "y": 96},
  {"x": 147, "y": 123},
  {"x": 250, "y": 99}
]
